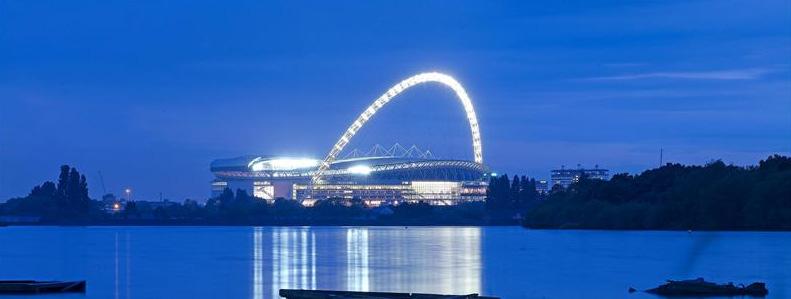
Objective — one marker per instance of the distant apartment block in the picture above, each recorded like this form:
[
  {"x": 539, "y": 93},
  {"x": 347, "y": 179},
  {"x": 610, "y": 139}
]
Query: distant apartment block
[
  {"x": 565, "y": 177},
  {"x": 542, "y": 186}
]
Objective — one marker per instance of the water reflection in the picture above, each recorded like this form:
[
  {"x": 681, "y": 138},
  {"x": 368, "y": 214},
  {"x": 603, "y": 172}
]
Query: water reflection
[
  {"x": 258, "y": 267},
  {"x": 357, "y": 260},
  {"x": 117, "y": 266},
  {"x": 117, "y": 270},
  {"x": 429, "y": 260},
  {"x": 239, "y": 262},
  {"x": 292, "y": 260}
]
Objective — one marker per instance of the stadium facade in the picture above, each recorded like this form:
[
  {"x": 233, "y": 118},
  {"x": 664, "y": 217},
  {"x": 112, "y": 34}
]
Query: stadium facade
[{"x": 388, "y": 176}]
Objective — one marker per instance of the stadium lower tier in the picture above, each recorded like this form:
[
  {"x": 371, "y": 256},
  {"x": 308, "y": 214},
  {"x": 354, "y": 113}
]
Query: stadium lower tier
[{"x": 434, "y": 193}]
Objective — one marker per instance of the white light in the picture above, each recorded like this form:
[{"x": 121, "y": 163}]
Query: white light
[
  {"x": 283, "y": 164},
  {"x": 391, "y": 93},
  {"x": 360, "y": 169}
]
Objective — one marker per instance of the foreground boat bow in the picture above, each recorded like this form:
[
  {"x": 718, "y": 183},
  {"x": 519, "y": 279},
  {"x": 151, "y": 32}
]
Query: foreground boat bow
[{"x": 39, "y": 287}]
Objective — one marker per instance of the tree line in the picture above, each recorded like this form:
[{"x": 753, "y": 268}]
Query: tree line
[
  {"x": 516, "y": 195},
  {"x": 67, "y": 202},
  {"x": 66, "y": 199},
  {"x": 714, "y": 196}
]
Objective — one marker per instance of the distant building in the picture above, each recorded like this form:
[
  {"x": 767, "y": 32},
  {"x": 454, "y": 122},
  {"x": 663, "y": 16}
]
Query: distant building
[
  {"x": 542, "y": 186},
  {"x": 112, "y": 204},
  {"x": 565, "y": 177}
]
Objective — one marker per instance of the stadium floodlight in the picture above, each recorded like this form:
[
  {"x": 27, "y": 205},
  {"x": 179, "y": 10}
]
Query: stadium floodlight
[
  {"x": 282, "y": 164},
  {"x": 360, "y": 169},
  {"x": 391, "y": 93}
]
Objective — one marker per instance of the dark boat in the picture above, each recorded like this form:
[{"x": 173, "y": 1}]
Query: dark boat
[
  {"x": 39, "y": 287},
  {"x": 321, "y": 294},
  {"x": 700, "y": 287}
]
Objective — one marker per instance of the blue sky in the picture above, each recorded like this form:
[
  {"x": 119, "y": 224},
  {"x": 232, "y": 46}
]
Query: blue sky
[{"x": 149, "y": 92}]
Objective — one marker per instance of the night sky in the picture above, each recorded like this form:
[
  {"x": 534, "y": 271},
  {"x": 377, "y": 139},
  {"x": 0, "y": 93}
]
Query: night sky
[{"x": 150, "y": 92}]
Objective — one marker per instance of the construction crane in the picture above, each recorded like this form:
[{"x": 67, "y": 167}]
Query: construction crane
[{"x": 101, "y": 180}]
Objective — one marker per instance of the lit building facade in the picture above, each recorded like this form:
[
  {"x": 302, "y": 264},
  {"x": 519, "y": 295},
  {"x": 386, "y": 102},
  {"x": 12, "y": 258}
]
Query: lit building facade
[
  {"x": 565, "y": 177},
  {"x": 374, "y": 180},
  {"x": 542, "y": 186},
  {"x": 434, "y": 193}
]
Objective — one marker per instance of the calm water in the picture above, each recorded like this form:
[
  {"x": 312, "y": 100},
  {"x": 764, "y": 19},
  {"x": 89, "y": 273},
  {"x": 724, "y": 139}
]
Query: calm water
[{"x": 244, "y": 262}]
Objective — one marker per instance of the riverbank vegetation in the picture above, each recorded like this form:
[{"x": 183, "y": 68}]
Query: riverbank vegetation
[
  {"x": 715, "y": 196},
  {"x": 67, "y": 202}
]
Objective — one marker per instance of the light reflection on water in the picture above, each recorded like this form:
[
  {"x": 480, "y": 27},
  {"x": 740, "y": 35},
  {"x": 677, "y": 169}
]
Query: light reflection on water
[
  {"x": 357, "y": 260},
  {"x": 440, "y": 260},
  {"x": 510, "y": 262},
  {"x": 293, "y": 260}
]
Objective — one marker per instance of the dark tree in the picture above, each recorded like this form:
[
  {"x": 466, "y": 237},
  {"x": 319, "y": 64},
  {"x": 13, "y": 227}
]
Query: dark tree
[
  {"x": 47, "y": 189},
  {"x": 84, "y": 188},
  {"x": 513, "y": 196},
  {"x": 63, "y": 180},
  {"x": 491, "y": 194},
  {"x": 528, "y": 192},
  {"x": 226, "y": 197},
  {"x": 73, "y": 193}
]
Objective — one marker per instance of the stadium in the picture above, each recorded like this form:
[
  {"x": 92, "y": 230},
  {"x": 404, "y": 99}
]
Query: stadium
[{"x": 380, "y": 176}]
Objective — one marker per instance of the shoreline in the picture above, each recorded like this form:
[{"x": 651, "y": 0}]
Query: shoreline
[{"x": 196, "y": 224}]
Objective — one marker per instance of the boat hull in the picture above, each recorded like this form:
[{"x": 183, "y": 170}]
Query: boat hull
[{"x": 40, "y": 287}]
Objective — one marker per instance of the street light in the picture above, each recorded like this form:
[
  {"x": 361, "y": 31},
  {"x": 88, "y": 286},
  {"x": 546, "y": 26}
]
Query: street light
[{"x": 128, "y": 192}]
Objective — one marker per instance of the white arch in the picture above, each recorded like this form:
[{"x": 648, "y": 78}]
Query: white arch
[{"x": 391, "y": 93}]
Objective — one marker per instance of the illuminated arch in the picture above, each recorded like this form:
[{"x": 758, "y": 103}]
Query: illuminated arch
[{"x": 391, "y": 93}]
